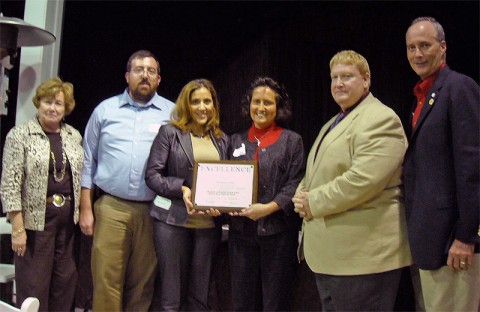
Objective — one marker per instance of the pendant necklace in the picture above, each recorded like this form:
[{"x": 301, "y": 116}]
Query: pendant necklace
[
  {"x": 258, "y": 141},
  {"x": 200, "y": 136},
  {"x": 64, "y": 165}
]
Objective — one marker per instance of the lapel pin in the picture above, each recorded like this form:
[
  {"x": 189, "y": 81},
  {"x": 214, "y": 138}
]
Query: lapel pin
[{"x": 430, "y": 102}]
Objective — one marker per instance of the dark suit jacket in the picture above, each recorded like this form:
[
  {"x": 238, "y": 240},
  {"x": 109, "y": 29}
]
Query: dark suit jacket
[
  {"x": 281, "y": 166},
  {"x": 441, "y": 170},
  {"x": 169, "y": 166}
]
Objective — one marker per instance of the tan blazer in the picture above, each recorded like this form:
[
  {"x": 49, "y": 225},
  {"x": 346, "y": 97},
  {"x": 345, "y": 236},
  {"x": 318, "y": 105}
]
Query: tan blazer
[{"x": 358, "y": 224}]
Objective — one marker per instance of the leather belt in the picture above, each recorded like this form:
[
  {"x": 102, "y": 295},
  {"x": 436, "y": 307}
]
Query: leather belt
[
  {"x": 58, "y": 200},
  {"x": 102, "y": 192}
]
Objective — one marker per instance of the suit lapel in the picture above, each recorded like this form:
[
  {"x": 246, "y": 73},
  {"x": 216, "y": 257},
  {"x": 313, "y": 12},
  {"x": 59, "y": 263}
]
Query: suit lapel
[
  {"x": 313, "y": 156},
  {"x": 186, "y": 143},
  {"x": 325, "y": 138},
  {"x": 431, "y": 98},
  {"x": 427, "y": 106},
  {"x": 217, "y": 143}
]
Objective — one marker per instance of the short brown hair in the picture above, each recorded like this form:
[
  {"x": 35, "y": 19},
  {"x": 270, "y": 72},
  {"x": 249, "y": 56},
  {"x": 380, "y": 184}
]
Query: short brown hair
[
  {"x": 141, "y": 54},
  {"x": 50, "y": 88}
]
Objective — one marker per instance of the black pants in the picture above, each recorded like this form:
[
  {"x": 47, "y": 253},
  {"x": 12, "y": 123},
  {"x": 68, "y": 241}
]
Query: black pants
[
  {"x": 185, "y": 258},
  {"x": 369, "y": 292},
  {"x": 48, "y": 270},
  {"x": 263, "y": 269}
]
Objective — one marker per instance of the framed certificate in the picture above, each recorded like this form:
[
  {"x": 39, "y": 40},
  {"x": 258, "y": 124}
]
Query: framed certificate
[{"x": 226, "y": 185}]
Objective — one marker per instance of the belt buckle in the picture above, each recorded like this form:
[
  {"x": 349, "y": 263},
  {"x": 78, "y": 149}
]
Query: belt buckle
[{"x": 58, "y": 200}]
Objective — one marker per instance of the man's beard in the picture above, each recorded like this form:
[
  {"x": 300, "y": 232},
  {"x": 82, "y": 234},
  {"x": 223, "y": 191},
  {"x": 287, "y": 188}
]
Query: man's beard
[{"x": 144, "y": 96}]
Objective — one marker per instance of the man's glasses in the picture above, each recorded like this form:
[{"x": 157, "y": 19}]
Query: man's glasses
[{"x": 151, "y": 72}]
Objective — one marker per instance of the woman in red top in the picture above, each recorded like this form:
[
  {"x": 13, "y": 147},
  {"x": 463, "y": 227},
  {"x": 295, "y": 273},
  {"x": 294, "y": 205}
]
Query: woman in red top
[{"x": 263, "y": 237}]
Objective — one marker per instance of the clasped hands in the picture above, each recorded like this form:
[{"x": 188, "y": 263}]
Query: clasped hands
[{"x": 302, "y": 204}]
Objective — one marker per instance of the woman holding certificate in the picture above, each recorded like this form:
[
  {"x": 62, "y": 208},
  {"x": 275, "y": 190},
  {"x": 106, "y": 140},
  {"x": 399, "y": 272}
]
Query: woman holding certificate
[
  {"x": 263, "y": 237},
  {"x": 185, "y": 238}
]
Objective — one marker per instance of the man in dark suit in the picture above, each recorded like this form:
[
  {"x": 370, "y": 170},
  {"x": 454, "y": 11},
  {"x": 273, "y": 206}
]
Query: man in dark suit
[{"x": 441, "y": 174}]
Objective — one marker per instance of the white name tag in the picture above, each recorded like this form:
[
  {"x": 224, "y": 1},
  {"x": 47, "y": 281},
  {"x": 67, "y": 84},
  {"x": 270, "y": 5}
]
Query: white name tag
[
  {"x": 239, "y": 151},
  {"x": 162, "y": 202},
  {"x": 153, "y": 128}
]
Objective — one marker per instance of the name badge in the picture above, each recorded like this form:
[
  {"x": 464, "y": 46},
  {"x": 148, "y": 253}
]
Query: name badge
[
  {"x": 162, "y": 202},
  {"x": 153, "y": 128}
]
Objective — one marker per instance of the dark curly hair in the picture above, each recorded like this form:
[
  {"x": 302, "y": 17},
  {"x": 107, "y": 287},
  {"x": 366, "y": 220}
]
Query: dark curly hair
[{"x": 284, "y": 105}]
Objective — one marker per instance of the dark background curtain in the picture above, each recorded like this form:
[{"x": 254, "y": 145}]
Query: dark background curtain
[{"x": 231, "y": 43}]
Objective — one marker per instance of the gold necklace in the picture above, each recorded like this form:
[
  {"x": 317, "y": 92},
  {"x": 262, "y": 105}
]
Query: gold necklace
[{"x": 64, "y": 165}]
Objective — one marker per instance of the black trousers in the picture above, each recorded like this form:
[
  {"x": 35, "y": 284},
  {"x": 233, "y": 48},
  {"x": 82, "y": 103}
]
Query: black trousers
[
  {"x": 185, "y": 257},
  {"x": 263, "y": 269},
  {"x": 48, "y": 270},
  {"x": 369, "y": 292}
]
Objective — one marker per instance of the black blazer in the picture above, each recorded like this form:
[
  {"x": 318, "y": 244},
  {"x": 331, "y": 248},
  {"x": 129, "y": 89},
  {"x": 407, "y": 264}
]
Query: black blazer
[
  {"x": 281, "y": 166},
  {"x": 441, "y": 170},
  {"x": 169, "y": 166}
]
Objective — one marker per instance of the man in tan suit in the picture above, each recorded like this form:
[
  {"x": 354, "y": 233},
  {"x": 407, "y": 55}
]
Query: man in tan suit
[{"x": 354, "y": 232}]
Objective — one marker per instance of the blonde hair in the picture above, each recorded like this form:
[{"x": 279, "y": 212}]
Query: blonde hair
[
  {"x": 182, "y": 115},
  {"x": 52, "y": 87},
  {"x": 350, "y": 57}
]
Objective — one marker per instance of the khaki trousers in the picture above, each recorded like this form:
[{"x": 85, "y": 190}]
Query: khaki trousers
[
  {"x": 123, "y": 255},
  {"x": 446, "y": 290}
]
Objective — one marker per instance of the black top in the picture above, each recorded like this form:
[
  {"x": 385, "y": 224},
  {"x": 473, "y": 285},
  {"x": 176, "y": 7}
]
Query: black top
[{"x": 64, "y": 186}]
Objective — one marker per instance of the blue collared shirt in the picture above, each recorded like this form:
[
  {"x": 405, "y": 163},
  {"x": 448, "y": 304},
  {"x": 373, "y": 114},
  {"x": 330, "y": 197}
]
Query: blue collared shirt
[{"x": 117, "y": 143}]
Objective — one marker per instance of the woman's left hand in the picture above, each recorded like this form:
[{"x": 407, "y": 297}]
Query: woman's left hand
[
  {"x": 209, "y": 212},
  {"x": 256, "y": 211},
  {"x": 213, "y": 212}
]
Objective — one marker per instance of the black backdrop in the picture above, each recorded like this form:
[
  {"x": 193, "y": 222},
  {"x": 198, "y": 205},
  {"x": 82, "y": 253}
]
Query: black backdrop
[{"x": 232, "y": 42}]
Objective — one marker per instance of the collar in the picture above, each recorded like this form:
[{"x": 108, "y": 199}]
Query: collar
[
  {"x": 351, "y": 108},
  {"x": 422, "y": 87},
  {"x": 261, "y": 132},
  {"x": 264, "y": 137},
  {"x": 34, "y": 126},
  {"x": 126, "y": 99}
]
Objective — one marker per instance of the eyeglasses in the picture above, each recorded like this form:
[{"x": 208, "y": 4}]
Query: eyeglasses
[{"x": 152, "y": 72}]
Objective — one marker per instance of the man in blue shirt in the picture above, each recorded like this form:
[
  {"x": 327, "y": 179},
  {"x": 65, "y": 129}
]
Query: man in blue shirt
[{"x": 117, "y": 143}]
